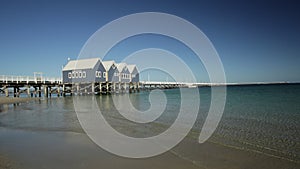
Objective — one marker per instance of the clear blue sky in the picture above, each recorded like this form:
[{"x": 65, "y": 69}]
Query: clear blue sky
[{"x": 256, "y": 41}]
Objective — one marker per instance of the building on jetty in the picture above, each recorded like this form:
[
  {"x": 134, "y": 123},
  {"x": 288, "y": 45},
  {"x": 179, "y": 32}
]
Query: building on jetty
[
  {"x": 83, "y": 71},
  {"x": 134, "y": 73},
  {"x": 124, "y": 75},
  {"x": 111, "y": 73},
  {"x": 95, "y": 76}
]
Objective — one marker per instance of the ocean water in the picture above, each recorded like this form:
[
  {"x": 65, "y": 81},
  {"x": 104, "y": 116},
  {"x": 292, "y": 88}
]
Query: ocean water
[{"x": 264, "y": 119}]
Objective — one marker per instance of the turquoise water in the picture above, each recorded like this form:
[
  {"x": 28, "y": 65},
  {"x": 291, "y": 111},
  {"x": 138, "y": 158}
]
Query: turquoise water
[
  {"x": 263, "y": 118},
  {"x": 258, "y": 118}
]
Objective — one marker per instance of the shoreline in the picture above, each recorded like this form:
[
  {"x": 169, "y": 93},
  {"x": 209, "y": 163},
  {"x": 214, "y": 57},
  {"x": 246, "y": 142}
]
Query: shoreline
[{"x": 13, "y": 100}]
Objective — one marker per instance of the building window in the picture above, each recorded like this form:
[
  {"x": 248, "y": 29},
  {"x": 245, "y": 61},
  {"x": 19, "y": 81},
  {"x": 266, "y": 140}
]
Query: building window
[
  {"x": 79, "y": 74},
  {"x": 98, "y": 74},
  {"x": 104, "y": 74},
  {"x": 69, "y": 75}
]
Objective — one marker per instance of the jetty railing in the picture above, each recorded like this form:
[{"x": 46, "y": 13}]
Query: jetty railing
[{"x": 28, "y": 79}]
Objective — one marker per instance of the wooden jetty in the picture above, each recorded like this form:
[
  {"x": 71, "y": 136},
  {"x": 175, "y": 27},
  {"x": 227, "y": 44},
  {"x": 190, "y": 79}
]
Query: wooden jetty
[
  {"x": 38, "y": 86},
  {"x": 33, "y": 86}
]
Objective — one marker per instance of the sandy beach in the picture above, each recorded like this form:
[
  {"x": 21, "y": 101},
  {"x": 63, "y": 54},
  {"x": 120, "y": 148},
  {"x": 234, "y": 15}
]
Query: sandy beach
[{"x": 12, "y": 100}]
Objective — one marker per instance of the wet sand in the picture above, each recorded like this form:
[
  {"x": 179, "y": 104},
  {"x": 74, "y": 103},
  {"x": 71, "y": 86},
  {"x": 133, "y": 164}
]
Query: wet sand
[
  {"x": 12, "y": 100},
  {"x": 74, "y": 150},
  {"x": 5, "y": 163},
  {"x": 56, "y": 149},
  {"x": 214, "y": 155}
]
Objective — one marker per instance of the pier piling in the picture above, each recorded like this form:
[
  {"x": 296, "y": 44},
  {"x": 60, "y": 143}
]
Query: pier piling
[
  {"x": 46, "y": 93},
  {"x": 6, "y": 92}
]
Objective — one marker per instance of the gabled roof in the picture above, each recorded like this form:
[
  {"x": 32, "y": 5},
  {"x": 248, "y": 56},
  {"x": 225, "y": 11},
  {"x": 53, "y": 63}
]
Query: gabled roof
[
  {"x": 131, "y": 68},
  {"x": 108, "y": 64},
  {"x": 121, "y": 66},
  {"x": 81, "y": 64}
]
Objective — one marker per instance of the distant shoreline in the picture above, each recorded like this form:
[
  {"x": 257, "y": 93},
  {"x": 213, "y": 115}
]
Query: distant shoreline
[
  {"x": 244, "y": 83},
  {"x": 248, "y": 84},
  {"x": 264, "y": 83}
]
